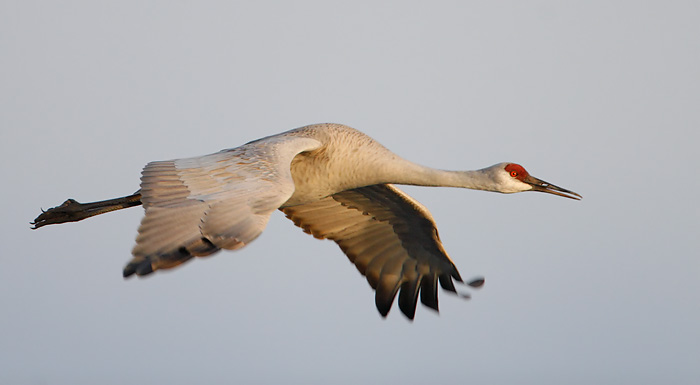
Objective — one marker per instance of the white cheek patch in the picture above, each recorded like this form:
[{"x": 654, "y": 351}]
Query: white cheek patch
[{"x": 513, "y": 185}]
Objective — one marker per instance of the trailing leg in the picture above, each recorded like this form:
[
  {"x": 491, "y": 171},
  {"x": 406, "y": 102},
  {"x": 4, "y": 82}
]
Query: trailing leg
[{"x": 73, "y": 211}]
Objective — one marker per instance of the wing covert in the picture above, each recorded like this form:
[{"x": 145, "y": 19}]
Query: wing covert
[{"x": 197, "y": 206}]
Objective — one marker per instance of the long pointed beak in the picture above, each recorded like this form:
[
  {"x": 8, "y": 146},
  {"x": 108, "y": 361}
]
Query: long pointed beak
[{"x": 540, "y": 185}]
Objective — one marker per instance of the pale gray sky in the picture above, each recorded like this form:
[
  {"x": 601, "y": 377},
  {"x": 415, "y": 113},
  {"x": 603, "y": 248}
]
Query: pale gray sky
[{"x": 600, "y": 97}]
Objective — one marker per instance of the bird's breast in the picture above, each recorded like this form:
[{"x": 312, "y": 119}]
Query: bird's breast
[{"x": 320, "y": 173}]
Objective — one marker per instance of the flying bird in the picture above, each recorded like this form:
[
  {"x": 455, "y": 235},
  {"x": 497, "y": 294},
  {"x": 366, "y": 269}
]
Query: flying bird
[{"x": 331, "y": 180}]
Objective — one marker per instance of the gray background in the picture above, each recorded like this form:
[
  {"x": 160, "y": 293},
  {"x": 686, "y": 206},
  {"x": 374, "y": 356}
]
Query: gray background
[{"x": 597, "y": 96}]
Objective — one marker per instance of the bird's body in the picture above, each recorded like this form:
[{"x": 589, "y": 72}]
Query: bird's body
[{"x": 333, "y": 181}]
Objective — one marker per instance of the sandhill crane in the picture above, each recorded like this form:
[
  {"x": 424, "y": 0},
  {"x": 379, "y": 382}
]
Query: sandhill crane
[{"x": 331, "y": 180}]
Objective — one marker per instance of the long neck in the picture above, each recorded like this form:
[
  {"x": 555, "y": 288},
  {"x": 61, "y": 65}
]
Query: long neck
[{"x": 405, "y": 172}]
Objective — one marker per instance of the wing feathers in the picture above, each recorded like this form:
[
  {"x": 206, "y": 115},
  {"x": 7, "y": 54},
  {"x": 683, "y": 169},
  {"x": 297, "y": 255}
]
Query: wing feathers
[
  {"x": 374, "y": 268},
  {"x": 446, "y": 283},
  {"x": 389, "y": 237},
  {"x": 408, "y": 297},
  {"x": 390, "y": 280},
  {"x": 162, "y": 232},
  {"x": 196, "y": 206},
  {"x": 428, "y": 292}
]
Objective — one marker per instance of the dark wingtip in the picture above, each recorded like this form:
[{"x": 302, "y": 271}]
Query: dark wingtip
[
  {"x": 477, "y": 283},
  {"x": 409, "y": 311},
  {"x": 429, "y": 292},
  {"x": 142, "y": 267},
  {"x": 408, "y": 298},
  {"x": 129, "y": 270},
  {"x": 446, "y": 283},
  {"x": 385, "y": 295}
]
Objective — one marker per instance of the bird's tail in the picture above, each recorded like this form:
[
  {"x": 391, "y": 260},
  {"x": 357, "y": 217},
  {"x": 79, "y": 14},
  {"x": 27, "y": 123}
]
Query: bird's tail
[{"x": 73, "y": 211}]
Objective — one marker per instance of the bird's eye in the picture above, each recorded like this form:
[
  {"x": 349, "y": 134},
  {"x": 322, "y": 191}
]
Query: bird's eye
[{"x": 513, "y": 174}]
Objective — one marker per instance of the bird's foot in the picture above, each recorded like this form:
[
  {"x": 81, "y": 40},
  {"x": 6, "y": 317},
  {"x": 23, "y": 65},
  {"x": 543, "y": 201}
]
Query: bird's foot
[{"x": 69, "y": 211}]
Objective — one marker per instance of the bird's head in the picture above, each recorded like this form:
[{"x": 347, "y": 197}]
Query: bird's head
[{"x": 512, "y": 178}]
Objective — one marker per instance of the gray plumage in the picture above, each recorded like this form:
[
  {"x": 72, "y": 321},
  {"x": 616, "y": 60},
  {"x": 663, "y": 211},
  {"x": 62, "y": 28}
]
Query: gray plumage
[{"x": 331, "y": 180}]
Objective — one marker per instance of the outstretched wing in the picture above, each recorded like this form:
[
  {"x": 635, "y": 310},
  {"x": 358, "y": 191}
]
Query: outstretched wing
[
  {"x": 391, "y": 239},
  {"x": 197, "y": 206}
]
